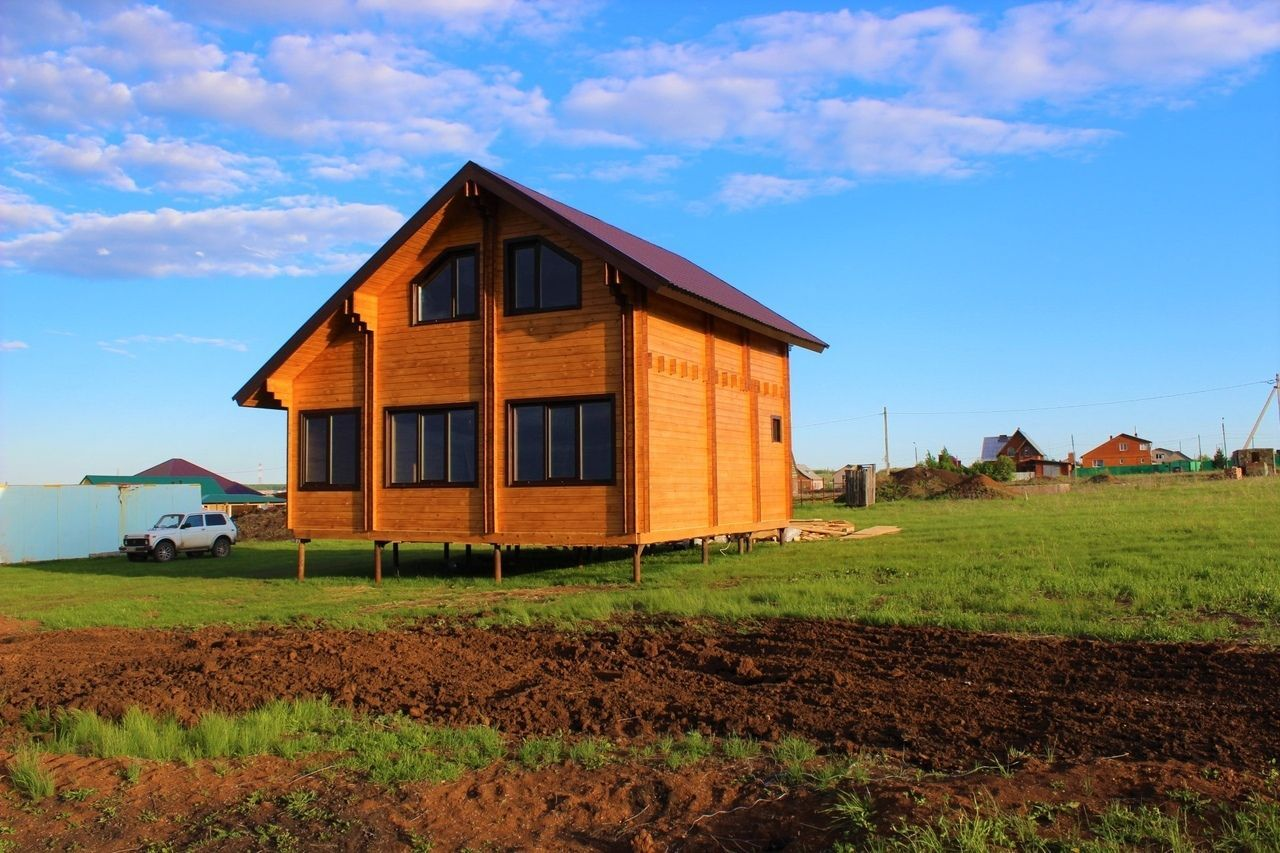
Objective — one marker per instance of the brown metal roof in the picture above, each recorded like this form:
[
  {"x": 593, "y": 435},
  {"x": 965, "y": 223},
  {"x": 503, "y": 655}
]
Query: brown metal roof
[{"x": 652, "y": 265}]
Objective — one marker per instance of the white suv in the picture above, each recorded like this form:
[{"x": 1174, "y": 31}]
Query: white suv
[{"x": 189, "y": 532}]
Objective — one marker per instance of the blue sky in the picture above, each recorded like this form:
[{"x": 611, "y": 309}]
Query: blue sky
[{"x": 998, "y": 215}]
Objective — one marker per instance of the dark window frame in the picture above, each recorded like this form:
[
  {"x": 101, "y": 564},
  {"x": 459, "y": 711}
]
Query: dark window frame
[
  {"x": 305, "y": 486},
  {"x": 509, "y": 248},
  {"x": 775, "y": 428},
  {"x": 448, "y": 256},
  {"x": 389, "y": 445},
  {"x": 547, "y": 403}
]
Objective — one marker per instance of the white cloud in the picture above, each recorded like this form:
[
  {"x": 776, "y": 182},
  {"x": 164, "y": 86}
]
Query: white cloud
[
  {"x": 12, "y": 346},
  {"x": 536, "y": 18},
  {"x": 740, "y": 191},
  {"x": 147, "y": 38},
  {"x": 142, "y": 163},
  {"x": 871, "y": 137},
  {"x": 286, "y": 239},
  {"x": 220, "y": 343},
  {"x": 50, "y": 89},
  {"x": 650, "y": 169},
  {"x": 678, "y": 107},
  {"x": 930, "y": 92},
  {"x": 114, "y": 350},
  {"x": 337, "y": 168},
  {"x": 18, "y": 212}
]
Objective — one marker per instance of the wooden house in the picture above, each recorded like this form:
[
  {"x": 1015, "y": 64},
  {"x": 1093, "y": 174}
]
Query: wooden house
[
  {"x": 508, "y": 370},
  {"x": 1028, "y": 459},
  {"x": 1119, "y": 450}
]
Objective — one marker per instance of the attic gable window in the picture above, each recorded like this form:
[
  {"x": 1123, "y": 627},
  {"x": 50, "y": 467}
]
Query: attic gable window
[
  {"x": 331, "y": 449},
  {"x": 447, "y": 291},
  {"x": 541, "y": 277}
]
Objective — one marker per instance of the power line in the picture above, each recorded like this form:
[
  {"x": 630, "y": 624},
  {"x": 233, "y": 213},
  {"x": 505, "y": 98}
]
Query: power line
[{"x": 1047, "y": 408}]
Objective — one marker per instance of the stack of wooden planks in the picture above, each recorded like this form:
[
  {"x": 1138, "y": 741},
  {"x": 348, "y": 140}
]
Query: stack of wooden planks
[{"x": 811, "y": 529}]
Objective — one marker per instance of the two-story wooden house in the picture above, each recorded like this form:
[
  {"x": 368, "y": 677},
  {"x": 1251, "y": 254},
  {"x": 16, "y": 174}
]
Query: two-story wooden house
[{"x": 508, "y": 370}]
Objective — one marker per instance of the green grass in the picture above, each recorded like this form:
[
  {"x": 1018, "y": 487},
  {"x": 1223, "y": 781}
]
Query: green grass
[
  {"x": 1170, "y": 558},
  {"x": 28, "y": 776}
]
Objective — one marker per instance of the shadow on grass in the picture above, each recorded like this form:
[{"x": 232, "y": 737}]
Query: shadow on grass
[{"x": 354, "y": 562}]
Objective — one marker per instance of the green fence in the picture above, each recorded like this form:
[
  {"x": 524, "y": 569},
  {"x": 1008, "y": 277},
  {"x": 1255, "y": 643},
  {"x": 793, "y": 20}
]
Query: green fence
[{"x": 1162, "y": 468}]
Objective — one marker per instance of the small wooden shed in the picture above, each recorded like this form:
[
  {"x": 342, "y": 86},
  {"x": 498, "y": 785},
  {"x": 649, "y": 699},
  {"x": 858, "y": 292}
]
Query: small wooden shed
[{"x": 508, "y": 370}]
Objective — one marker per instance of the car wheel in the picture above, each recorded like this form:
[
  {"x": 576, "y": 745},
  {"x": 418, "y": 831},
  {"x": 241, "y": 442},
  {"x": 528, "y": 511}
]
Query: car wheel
[
  {"x": 137, "y": 558},
  {"x": 164, "y": 552},
  {"x": 221, "y": 547}
]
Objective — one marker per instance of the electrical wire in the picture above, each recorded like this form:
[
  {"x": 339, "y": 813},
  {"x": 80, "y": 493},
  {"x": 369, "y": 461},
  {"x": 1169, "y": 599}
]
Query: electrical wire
[{"x": 1043, "y": 408}]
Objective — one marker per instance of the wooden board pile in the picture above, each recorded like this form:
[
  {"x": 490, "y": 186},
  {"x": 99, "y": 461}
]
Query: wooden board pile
[{"x": 812, "y": 529}]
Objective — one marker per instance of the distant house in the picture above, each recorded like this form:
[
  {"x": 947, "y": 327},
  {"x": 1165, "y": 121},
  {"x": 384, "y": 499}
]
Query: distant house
[
  {"x": 1117, "y": 451},
  {"x": 803, "y": 479},
  {"x": 1028, "y": 459},
  {"x": 841, "y": 474},
  {"x": 1165, "y": 456},
  {"x": 216, "y": 491}
]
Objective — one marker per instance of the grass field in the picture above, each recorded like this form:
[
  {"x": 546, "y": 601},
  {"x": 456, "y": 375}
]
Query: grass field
[{"x": 1150, "y": 558}]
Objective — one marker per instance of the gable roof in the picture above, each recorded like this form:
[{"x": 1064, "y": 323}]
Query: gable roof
[
  {"x": 182, "y": 468},
  {"x": 993, "y": 445},
  {"x": 210, "y": 491},
  {"x": 806, "y": 471},
  {"x": 650, "y": 264}
]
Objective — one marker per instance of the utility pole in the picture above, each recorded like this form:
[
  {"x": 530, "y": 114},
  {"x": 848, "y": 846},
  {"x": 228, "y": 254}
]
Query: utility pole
[
  {"x": 1075, "y": 463},
  {"x": 1224, "y": 436},
  {"x": 916, "y": 451},
  {"x": 1275, "y": 391},
  {"x": 1199, "y": 447},
  {"x": 886, "y": 439}
]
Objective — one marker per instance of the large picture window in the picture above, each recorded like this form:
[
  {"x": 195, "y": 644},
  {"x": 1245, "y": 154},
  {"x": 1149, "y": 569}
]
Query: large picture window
[
  {"x": 331, "y": 449},
  {"x": 447, "y": 291},
  {"x": 541, "y": 277},
  {"x": 432, "y": 447},
  {"x": 562, "y": 441}
]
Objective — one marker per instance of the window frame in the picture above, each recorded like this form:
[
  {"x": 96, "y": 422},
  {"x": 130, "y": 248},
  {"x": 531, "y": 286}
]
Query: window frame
[
  {"x": 509, "y": 248},
  {"x": 388, "y": 415},
  {"x": 305, "y": 486},
  {"x": 775, "y": 429},
  {"x": 448, "y": 256},
  {"x": 547, "y": 403}
]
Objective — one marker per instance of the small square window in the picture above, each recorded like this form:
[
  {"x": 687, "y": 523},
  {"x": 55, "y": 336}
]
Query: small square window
[{"x": 775, "y": 426}]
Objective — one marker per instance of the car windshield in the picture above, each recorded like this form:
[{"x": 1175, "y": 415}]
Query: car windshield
[{"x": 172, "y": 519}]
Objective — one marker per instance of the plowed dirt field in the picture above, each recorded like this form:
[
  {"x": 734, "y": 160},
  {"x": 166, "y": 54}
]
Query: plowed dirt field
[{"x": 1135, "y": 719}]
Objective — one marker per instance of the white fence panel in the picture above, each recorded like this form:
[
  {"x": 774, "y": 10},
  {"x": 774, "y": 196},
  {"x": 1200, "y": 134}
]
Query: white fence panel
[{"x": 66, "y": 522}]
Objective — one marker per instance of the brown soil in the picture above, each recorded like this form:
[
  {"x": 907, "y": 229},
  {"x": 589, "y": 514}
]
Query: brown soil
[
  {"x": 714, "y": 805},
  {"x": 976, "y": 487},
  {"x": 1102, "y": 479},
  {"x": 921, "y": 482},
  {"x": 264, "y": 525},
  {"x": 938, "y": 698},
  {"x": 1092, "y": 723}
]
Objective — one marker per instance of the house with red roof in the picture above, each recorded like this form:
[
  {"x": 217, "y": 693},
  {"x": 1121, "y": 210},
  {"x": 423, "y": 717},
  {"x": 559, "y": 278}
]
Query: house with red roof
[
  {"x": 507, "y": 370},
  {"x": 216, "y": 491},
  {"x": 1118, "y": 450}
]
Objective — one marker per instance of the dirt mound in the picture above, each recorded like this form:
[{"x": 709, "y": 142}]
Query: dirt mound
[
  {"x": 1104, "y": 478},
  {"x": 264, "y": 525},
  {"x": 939, "y": 698},
  {"x": 976, "y": 487},
  {"x": 921, "y": 482}
]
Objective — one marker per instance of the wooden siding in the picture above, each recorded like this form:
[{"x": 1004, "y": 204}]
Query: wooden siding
[
  {"x": 570, "y": 353},
  {"x": 694, "y": 397},
  {"x": 677, "y": 417},
  {"x": 426, "y": 365},
  {"x": 333, "y": 380}
]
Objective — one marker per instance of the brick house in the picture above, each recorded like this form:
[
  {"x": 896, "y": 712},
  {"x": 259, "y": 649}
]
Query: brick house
[{"x": 1118, "y": 450}]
